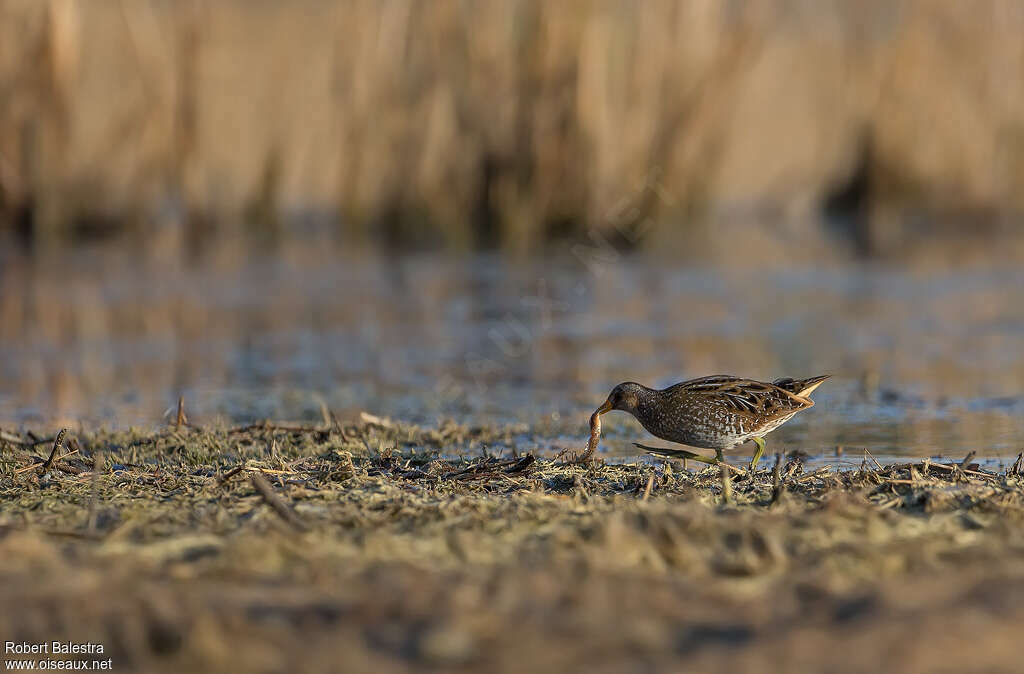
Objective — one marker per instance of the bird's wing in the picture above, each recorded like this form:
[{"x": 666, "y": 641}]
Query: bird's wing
[{"x": 746, "y": 396}]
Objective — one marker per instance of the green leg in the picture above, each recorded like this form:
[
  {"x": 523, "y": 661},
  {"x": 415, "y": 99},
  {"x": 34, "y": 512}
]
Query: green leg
[
  {"x": 684, "y": 454},
  {"x": 757, "y": 453},
  {"x": 679, "y": 454}
]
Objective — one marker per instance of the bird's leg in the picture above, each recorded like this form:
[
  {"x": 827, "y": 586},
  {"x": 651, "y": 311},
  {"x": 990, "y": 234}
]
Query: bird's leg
[
  {"x": 685, "y": 454},
  {"x": 757, "y": 453},
  {"x": 679, "y": 454}
]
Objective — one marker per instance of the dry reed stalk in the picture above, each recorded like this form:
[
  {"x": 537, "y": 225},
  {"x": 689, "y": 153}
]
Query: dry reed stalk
[{"x": 524, "y": 119}]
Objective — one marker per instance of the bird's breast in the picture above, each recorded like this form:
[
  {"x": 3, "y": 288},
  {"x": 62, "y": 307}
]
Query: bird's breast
[{"x": 698, "y": 425}]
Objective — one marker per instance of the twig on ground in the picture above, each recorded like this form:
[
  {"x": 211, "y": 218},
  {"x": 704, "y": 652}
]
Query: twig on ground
[
  {"x": 57, "y": 443},
  {"x": 955, "y": 467},
  {"x": 325, "y": 414},
  {"x": 873, "y": 459},
  {"x": 521, "y": 464},
  {"x": 14, "y": 439},
  {"x": 568, "y": 457},
  {"x": 229, "y": 474},
  {"x": 726, "y": 483},
  {"x": 94, "y": 496},
  {"x": 271, "y": 426},
  {"x": 489, "y": 467},
  {"x": 67, "y": 467},
  {"x": 32, "y": 440},
  {"x": 818, "y": 473},
  {"x": 777, "y": 487},
  {"x": 275, "y": 501},
  {"x": 181, "y": 420},
  {"x": 648, "y": 488},
  {"x": 373, "y": 419}
]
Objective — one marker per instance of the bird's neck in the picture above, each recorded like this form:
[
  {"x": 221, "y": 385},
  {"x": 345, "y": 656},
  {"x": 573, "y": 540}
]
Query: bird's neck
[{"x": 646, "y": 397}]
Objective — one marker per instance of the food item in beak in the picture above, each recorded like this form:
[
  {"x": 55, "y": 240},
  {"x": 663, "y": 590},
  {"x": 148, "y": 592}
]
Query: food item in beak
[
  {"x": 595, "y": 434},
  {"x": 595, "y": 431}
]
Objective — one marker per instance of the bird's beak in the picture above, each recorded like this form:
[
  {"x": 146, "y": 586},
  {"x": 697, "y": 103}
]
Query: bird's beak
[{"x": 606, "y": 406}]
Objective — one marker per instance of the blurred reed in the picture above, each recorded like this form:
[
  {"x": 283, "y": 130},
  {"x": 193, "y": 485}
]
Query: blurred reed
[{"x": 510, "y": 122}]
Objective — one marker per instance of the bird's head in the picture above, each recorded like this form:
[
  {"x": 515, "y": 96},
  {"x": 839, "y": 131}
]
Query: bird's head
[{"x": 624, "y": 397}]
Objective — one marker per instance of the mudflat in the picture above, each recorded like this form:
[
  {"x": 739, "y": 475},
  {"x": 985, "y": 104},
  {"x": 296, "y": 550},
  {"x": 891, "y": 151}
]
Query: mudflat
[{"x": 340, "y": 547}]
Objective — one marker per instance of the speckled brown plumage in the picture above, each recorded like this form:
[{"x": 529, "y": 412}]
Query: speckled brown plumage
[{"x": 717, "y": 412}]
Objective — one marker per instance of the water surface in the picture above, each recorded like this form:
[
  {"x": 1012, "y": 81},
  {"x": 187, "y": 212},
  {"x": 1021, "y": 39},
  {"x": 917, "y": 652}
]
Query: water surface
[{"x": 924, "y": 363}]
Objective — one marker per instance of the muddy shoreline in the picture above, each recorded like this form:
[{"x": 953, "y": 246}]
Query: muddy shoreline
[{"x": 268, "y": 548}]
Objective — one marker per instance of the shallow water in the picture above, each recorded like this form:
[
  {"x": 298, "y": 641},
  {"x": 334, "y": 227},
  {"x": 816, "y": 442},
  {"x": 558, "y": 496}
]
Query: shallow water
[{"x": 924, "y": 363}]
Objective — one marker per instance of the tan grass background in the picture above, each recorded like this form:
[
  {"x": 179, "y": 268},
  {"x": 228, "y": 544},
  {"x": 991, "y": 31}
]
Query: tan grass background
[{"x": 511, "y": 121}]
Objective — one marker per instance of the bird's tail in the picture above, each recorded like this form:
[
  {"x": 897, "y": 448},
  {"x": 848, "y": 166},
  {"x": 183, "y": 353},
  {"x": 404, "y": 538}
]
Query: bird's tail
[{"x": 800, "y": 387}]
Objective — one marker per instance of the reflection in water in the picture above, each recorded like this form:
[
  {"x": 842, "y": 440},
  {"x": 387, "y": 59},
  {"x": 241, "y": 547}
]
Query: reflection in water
[{"x": 924, "y": 363}]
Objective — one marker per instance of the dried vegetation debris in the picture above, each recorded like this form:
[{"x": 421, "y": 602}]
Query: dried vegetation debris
[{"x": 367, "y": 545}]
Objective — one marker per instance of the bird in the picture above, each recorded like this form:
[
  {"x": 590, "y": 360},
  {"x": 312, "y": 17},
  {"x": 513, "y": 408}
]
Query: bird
[{"x": 717, "y": 412}]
